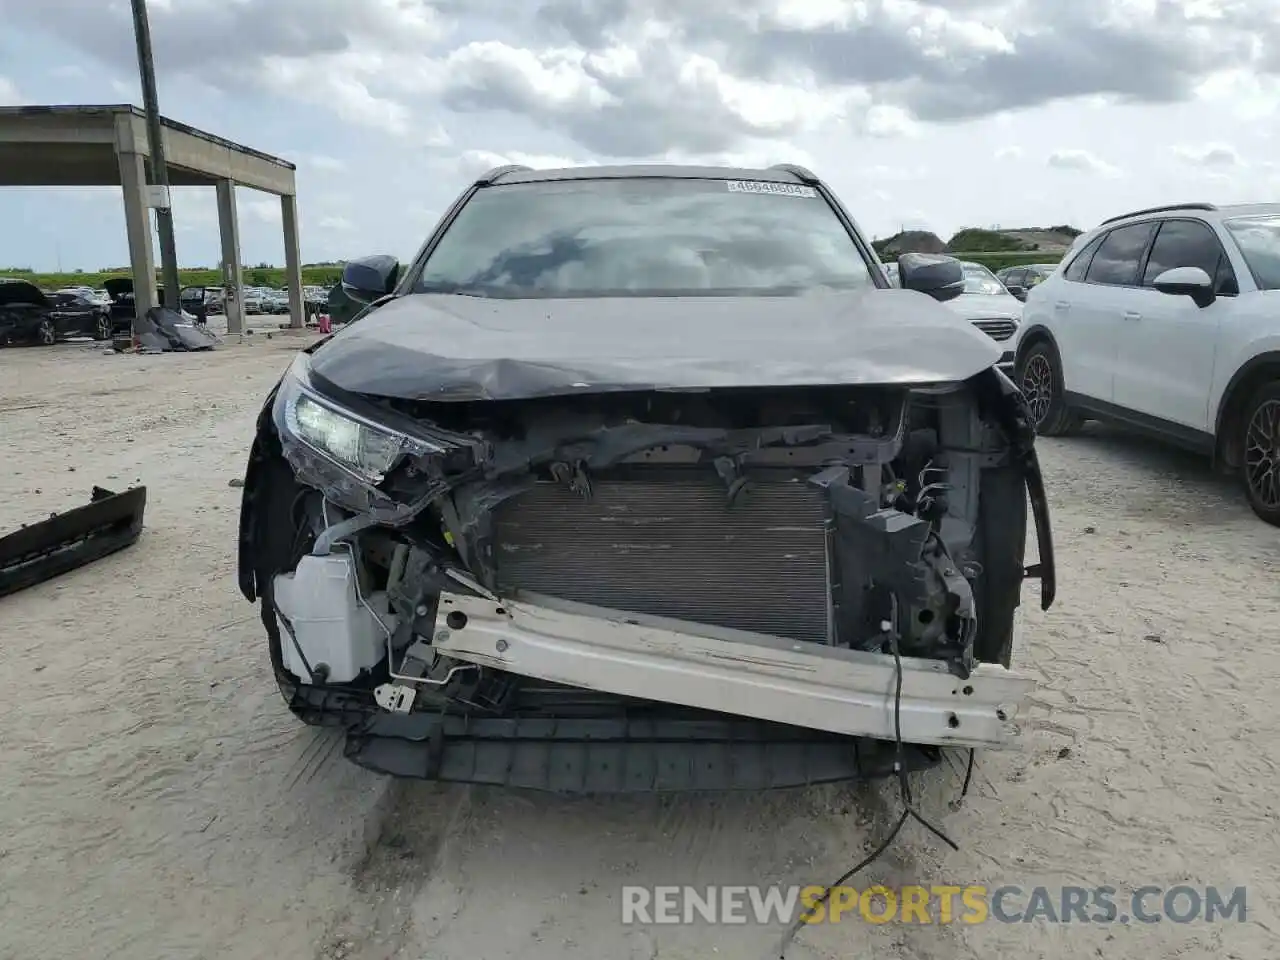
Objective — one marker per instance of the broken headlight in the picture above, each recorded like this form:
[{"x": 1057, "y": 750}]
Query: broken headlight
[{"x": 362, "y": 448}]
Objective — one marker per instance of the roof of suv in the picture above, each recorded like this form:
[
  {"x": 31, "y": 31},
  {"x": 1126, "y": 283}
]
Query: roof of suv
[
  {"x": 786, "y": 173},
  {"x": 1250, "y": 210},
  {"x": 1209, "y": 210}
]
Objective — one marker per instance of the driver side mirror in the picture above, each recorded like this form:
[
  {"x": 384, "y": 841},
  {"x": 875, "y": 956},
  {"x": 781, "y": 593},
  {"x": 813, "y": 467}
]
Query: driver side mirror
[
  {"x": 1190, "y": 282},
  {"x": 941, "y": 277},
  {"x": 1018, "y": 291},
  {"x": 369, "y": 278}
]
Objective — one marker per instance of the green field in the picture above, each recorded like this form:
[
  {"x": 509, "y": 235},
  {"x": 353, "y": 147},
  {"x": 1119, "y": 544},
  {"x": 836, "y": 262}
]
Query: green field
[{"x": 318, "y": 276}]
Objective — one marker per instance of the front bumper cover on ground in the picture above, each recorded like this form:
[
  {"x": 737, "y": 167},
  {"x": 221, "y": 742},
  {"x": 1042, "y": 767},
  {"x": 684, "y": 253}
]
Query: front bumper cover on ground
[{"x": 41, "y": 551}]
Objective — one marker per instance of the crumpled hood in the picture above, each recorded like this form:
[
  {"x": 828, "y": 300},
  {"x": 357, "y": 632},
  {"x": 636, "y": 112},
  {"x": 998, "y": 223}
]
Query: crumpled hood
[
  {"x": 442, "y": 347},
  {"x": 984, "y": 306}
]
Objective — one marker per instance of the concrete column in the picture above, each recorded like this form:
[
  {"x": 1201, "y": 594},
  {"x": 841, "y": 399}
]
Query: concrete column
[
  {"x": 292, "y": 259},
  {"x": 137, "y": 222},
  {"x": 232, "y": 281}
]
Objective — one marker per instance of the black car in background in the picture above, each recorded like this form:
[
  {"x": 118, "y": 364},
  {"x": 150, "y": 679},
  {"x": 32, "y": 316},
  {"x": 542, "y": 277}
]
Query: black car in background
[
  {"x": 29, "y": 315},
  {"x": 120, "y": 289},
  {"x": 200, "y": 302},
  {"x": 75, "y": 313},
  {"x": 26, "y": 314},
  {"x": 1018, "y": 280}
]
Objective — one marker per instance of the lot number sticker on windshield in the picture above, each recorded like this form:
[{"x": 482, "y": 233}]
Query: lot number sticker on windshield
[{"x": 777, "y": 189}]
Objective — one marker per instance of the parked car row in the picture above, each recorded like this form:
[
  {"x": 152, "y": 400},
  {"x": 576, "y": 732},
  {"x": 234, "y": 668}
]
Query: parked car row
[
  {"x": 204, "y": 302},
  {"x": 270, "y": 301}
]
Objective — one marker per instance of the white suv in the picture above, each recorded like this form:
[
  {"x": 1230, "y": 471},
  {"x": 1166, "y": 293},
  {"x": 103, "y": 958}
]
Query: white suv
[{"x": 1168, "y": 320}]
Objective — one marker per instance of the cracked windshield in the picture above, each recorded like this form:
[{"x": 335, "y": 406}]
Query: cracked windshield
[{"x": 586, "y": 480}]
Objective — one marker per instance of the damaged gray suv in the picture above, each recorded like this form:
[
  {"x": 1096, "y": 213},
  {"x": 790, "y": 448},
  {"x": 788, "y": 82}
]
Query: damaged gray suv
[{"x": 644, "y": 478}]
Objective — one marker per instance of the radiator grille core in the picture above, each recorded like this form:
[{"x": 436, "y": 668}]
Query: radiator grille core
[{"x": 666, "y": 543}]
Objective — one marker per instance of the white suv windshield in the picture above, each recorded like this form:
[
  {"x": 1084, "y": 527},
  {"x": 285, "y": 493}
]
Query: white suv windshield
[
  {"x": 645, "y": 236},
  {"x": 1259, "y": 241}
]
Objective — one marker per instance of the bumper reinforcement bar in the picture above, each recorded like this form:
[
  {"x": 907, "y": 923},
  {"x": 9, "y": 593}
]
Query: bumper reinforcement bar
[{"x": 808, "y": 685}]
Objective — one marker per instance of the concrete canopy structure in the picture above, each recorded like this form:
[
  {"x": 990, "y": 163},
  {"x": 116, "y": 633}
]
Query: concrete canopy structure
[{"x": 88, "y": 146}]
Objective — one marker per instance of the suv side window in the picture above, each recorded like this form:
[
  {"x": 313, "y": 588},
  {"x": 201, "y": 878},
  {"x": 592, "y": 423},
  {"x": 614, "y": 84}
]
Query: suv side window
[
  {"x": 1015, "y": 277},
  {"x": 1117, "y": 260},
  {"x": 1075, "y": 270},
  {"x": 1190, "y": 243}
]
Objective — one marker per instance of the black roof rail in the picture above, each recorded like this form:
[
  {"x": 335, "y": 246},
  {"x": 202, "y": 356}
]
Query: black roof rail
[
  {"x": 497, "y": 173},
  {"x": 803, "y": 174},
  {"x": 1168, "y": 208}
]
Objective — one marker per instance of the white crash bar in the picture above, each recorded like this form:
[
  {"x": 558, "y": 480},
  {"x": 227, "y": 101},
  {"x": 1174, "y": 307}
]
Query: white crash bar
[{"x": 749, "y": 674}]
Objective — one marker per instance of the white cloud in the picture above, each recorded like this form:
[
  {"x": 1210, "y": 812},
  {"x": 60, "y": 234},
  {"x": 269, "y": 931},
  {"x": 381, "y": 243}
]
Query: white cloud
[
  {"x": 764, "y": 108},
  {"x": 885, "y": 120},
  {"x": 342, "y": 92},
  {"x": 895, "y": 174},
  {"x": 263, "y": 210},
  {"x": 1246, "y": 95},
  {"x": 9, "y": 93},
  {"x": 475, "y": 163},
  {"x": 336, "y": 224},
  {"x": 193, "y": 207},
  {"x": 1082, "y": 161},
  {"x": 1212, "y": 155},
  {"x": 757, "y": 155},
  {"x": 915, "y": 220},
  {"x": 324, "y": 163},
  {"x": 1012, "y": 152}
]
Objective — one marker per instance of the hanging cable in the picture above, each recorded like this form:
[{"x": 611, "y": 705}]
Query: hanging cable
[{"x": 909, "y": 811}]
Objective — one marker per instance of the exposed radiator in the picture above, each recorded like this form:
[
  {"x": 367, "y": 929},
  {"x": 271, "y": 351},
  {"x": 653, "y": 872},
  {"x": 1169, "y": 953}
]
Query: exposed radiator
[{"x": 663, "y": 541}]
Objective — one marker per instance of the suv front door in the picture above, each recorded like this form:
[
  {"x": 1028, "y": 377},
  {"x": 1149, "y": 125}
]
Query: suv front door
[
  {"x": 1166, "y": 346},
  {"x": 1089, "y": 313}
]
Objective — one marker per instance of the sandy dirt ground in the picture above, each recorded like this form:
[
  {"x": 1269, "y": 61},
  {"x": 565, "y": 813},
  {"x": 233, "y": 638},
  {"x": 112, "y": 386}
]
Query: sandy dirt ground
[{"x": 157, "y": 800}]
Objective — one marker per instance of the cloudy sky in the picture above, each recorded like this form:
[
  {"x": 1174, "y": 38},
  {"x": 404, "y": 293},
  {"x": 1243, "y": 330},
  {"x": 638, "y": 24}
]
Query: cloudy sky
[{"x": 921, "y": 113}]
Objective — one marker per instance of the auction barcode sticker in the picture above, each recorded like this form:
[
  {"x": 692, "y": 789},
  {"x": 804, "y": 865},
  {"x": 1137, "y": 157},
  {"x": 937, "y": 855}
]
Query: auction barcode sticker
[{"x": 778, "y": 189}]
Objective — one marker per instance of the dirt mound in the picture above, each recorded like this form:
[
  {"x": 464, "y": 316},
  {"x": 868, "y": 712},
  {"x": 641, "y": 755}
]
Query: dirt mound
[{"x": 911, "y": 241}]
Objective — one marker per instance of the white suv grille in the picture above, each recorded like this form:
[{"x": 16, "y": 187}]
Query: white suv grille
[{"x": 997, "y": 329}]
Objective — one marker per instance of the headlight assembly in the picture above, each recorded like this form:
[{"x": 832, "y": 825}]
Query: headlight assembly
[
  {"x": 364, "y": 450},
  {"x": 367, "y": 450}
]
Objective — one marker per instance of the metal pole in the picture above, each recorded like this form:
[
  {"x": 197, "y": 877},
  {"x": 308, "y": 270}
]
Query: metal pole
[{"x": 159, "y": 170}]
